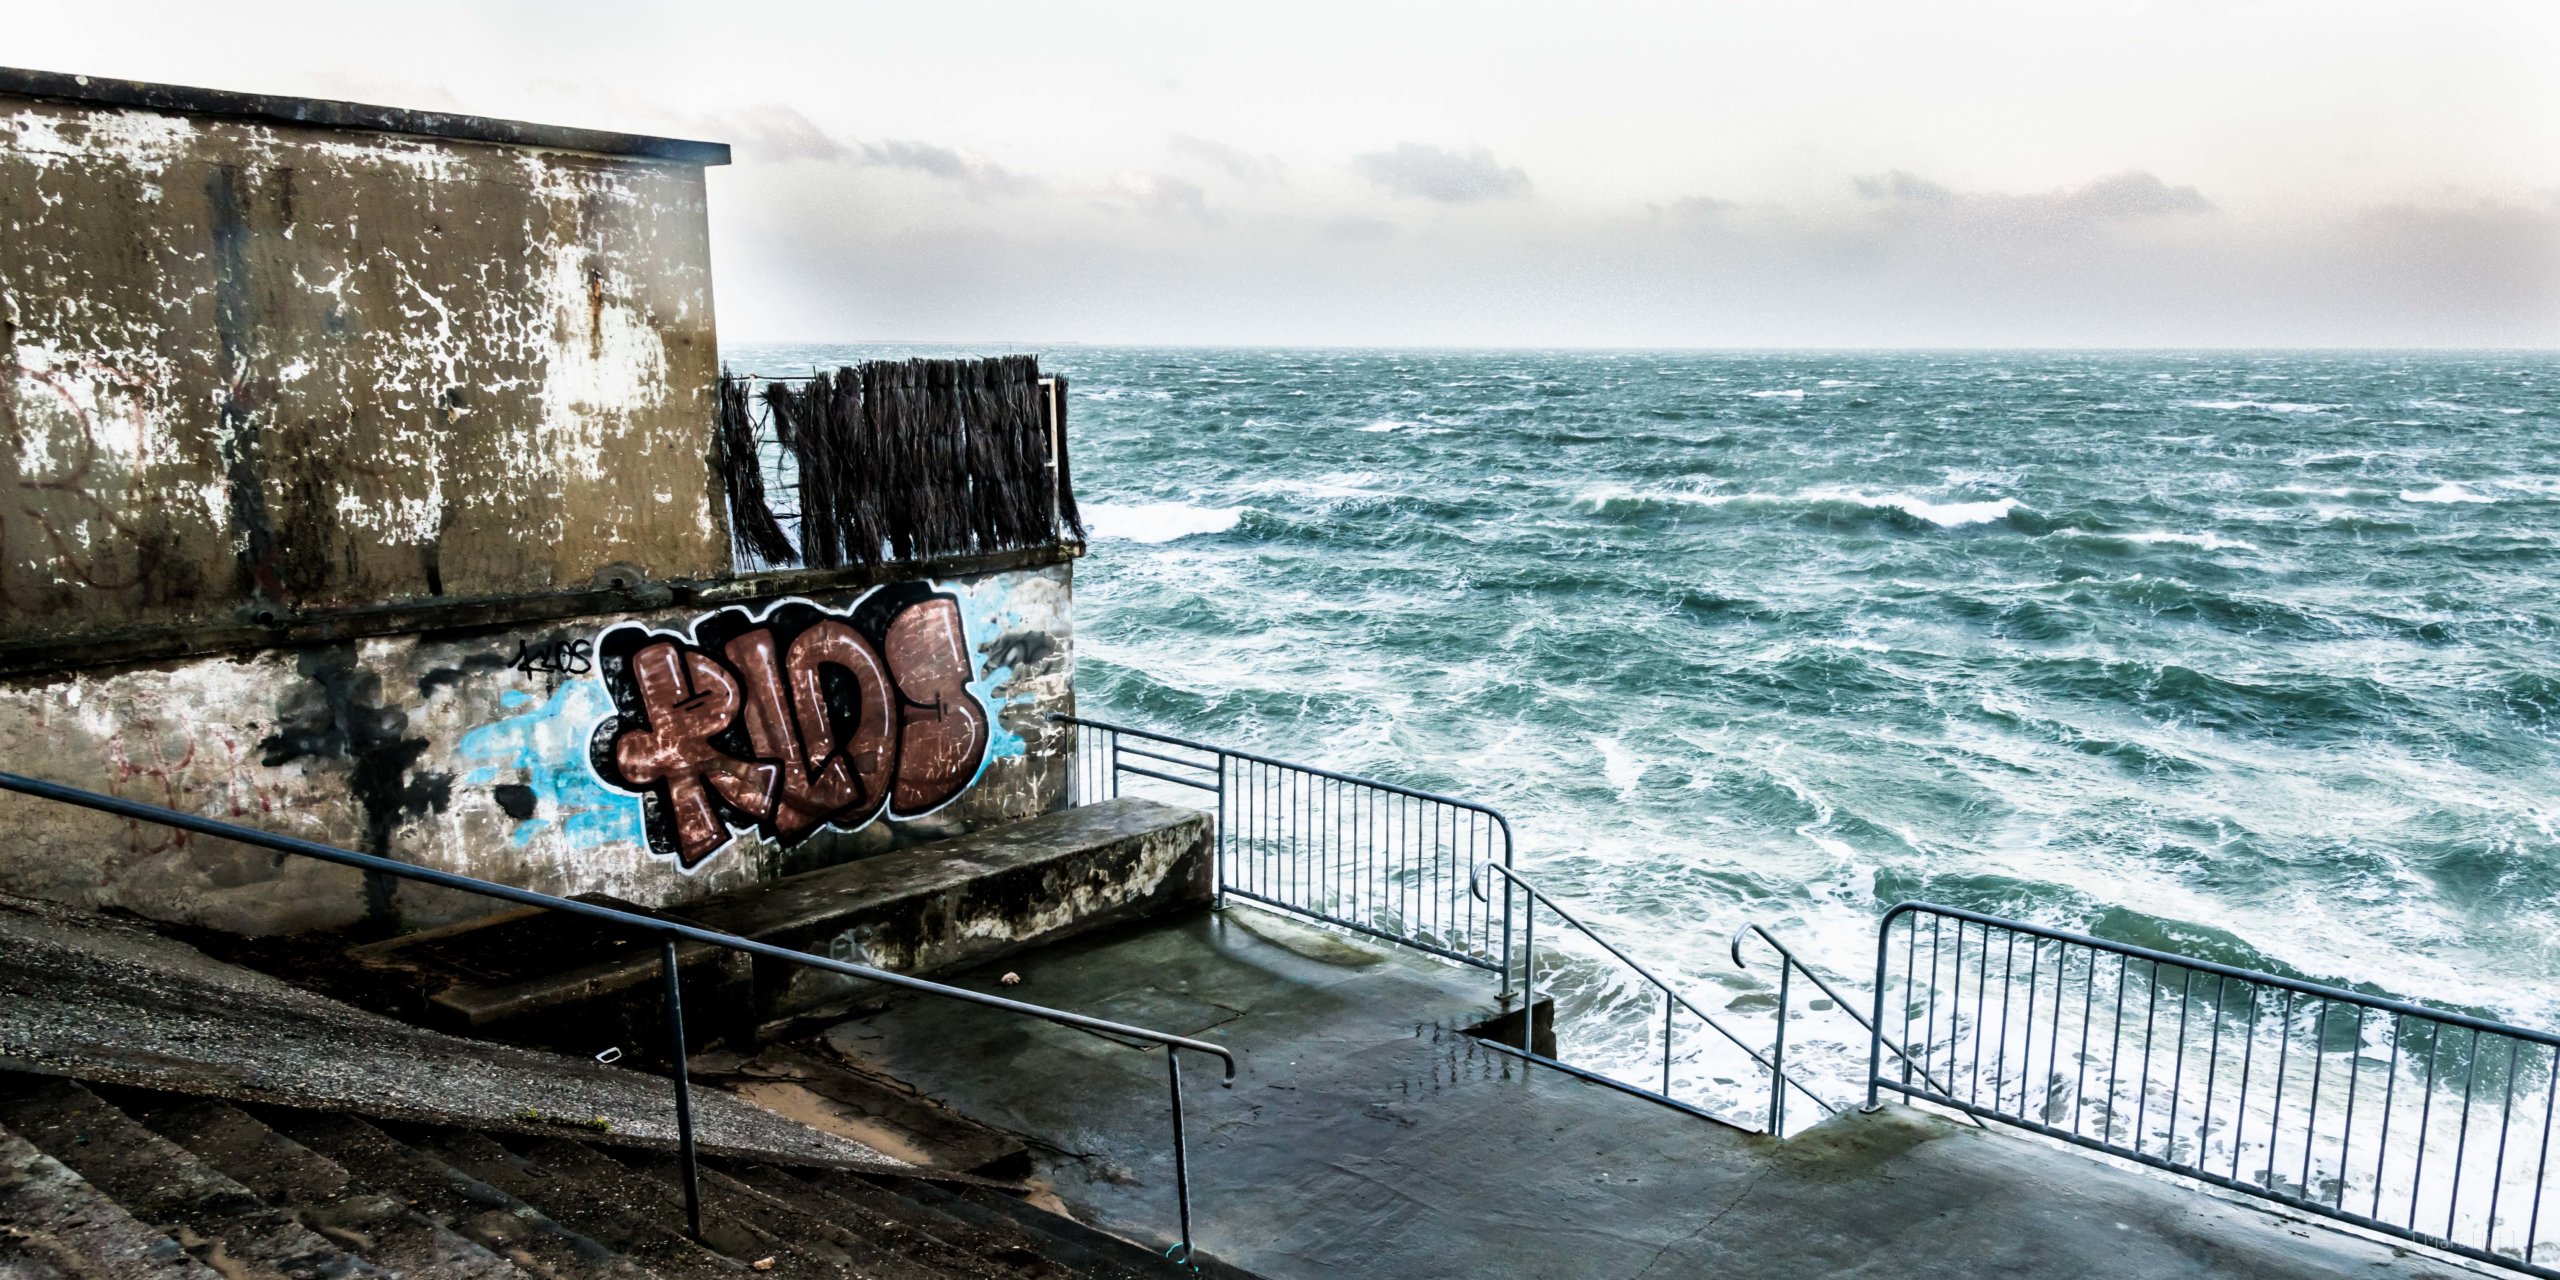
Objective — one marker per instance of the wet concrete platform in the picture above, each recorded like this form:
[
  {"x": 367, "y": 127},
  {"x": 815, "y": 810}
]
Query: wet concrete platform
[{"x": 1366, "y": 1135}]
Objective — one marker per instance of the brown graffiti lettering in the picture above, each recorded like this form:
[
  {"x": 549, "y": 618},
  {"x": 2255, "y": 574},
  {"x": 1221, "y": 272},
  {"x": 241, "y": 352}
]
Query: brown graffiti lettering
[
  {"x": 870, "y": 752},
  {"x": 791, "y": 721},
  {"x": 675, "y": 750},
  {"x": 941, "y": 729}
]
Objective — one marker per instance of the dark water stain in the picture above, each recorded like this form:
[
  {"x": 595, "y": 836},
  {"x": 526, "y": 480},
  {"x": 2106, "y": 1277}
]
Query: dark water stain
[{"x": 337, "y": 713}]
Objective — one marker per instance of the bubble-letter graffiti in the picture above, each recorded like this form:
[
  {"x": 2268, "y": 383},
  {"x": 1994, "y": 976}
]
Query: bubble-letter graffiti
[{"x": 791, "y": 720}]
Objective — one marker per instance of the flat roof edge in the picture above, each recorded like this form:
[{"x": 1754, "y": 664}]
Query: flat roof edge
[{"x": 325, "y": 114}]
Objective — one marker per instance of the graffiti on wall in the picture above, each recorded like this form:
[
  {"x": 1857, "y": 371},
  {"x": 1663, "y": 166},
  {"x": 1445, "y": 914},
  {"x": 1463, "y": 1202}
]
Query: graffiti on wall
[{"x": 791, "y": 719}]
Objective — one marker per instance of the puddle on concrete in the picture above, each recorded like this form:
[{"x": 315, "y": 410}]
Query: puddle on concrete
[{"x": 1308, "y": 941}]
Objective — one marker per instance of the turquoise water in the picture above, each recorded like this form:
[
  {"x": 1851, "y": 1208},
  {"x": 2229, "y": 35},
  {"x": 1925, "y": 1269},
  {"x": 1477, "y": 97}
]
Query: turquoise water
[{"x": 2244, "y": 655}]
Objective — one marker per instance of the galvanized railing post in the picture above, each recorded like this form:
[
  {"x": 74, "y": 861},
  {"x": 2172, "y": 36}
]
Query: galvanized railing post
[
  {"x": 1778, "y": 1059},
  {"x": 1181, "y": 1160},
  {"x": 684, "y": 1091},
  {"x": 1218, "y": 838},
  {"x": 1667, "y": 1006},
  {"x": 1528, "y": 975},
  {"x": 1875, "y": 1027}
]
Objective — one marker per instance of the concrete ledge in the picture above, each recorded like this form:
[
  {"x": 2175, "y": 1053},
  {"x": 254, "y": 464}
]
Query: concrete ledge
[
  {"x": 555, "y": 981},
  {"x": 974, "y": 898}
]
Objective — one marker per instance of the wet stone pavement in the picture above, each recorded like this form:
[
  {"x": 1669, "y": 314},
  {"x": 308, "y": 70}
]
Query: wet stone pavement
[{"x": 1366, "y": 1134}]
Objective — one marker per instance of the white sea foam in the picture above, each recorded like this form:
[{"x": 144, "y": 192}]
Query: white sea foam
[
  {"x": 1619, "y": 765},
  {"x": 1384, "y": 425},
  {"x": 2445, "y": 492},
  {"x": 1945, "y": 515},
  {"x": 2151, "y": 538},
  {"x": 1792, "y": 394},
  {"x": 1157, "y": 521},
  {"x": 2262, "y": 406}
]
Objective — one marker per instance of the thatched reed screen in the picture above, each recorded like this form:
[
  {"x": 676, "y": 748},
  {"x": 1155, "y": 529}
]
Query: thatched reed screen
[{"x": 896, "y": 461}]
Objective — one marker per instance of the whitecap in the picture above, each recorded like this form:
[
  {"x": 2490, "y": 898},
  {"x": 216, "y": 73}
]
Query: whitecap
[
  {"x": 2150, "y": 538},
  {"x": 2445, "y": 492},
  {"x": 1157, "y": 521},
  {"x": 1945, "y": 515},
  {"x": 2262, "y": 406},
  {"x": 1384, "y": 425},
  {"x": 1793, "y": 394},
  {"x": 1619, "y": 765}
]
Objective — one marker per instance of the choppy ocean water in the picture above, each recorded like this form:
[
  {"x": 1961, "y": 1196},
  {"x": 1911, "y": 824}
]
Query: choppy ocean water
[{"x": 2248, "y": 656}]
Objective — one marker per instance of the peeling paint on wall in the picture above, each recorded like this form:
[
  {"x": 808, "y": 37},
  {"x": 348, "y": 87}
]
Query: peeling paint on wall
[{"x": 250, "y": 367}]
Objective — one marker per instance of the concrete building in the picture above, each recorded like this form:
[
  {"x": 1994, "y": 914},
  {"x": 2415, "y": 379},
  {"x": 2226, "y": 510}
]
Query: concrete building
[{"x": 367, "y": 490}]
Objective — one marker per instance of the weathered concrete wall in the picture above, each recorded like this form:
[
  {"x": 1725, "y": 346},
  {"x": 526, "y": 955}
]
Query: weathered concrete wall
[
  {"x": 252, "y": 368},
  {"x": 482, "y": 754}
]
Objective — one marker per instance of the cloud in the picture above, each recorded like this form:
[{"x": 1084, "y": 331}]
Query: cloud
[
  {"x": 1692, "y": 210},
  {"x": 980, "y": 178},
  {"x": 774, "y": 132},
  {"x": 1354, "y": 229},
  {"x": 1235, "y": 162},
  {"x": 1426, "y": 172},
  {"x": 2123, "y": 197},
  {"x": 1163, "y": 196}
]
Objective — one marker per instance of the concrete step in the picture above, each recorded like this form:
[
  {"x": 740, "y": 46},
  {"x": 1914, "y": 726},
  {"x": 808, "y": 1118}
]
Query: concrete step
[
  {"x": 1065, "y": 1231},
  {"x": 809, "y": 1232},
  {"x": 644, "y": 1231},
  {"x": 498, "y": 1222},
  {"x": 319, "y": 1192},
  {"x": 563, "y": 982},
  {"x": 55, "y": 1225},
  {"x": 559, "y": 982},
  {"x": 916, "y": 1231},
  {"x": 222, "y": 1223},
  {"x": 1089, "y": 1256},
  {"x": 738, "y": 1236}
]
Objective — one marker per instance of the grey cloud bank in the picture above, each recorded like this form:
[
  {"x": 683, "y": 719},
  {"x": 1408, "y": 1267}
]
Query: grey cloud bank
[
  {"x": 1427, "y": 172},
  {"x": 1892, "y": 172}
]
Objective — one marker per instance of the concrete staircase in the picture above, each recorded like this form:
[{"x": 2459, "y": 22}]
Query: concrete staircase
[{"x": 117, "y": 1183}]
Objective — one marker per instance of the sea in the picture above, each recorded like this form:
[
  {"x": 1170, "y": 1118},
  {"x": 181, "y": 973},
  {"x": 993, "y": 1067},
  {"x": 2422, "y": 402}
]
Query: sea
[{"x": 2242, "y": 655}]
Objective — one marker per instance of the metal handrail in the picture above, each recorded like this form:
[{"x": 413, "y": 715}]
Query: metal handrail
[
  {"x": 1778, "y": 1049},
  {"x": 1215, "y": 774},
  {"x": 1671, "y": 999},
  {"x": 2191, "y": 1157},
  {"x": 669, "y": 933}
]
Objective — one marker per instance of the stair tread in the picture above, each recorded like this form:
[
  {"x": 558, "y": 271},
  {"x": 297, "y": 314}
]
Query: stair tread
[
  {"x": 53, "y": 1222},
  {"x": 319, "y": 1192},
  {"x": 784, "y": 1219},
  {"x": 224, "y": 1224},
  {"x": 919, "y": 1232},
  {"x": 497, "y": 1221},
  {"x": 1087, "y": 1257},
  {"x": 647, "y": 1235}
]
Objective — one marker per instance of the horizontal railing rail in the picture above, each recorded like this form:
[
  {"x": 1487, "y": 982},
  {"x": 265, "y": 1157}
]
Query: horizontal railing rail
[
  {"x": 1374, "y": 857},
  {"x": 1672, "y": 1002},
  {"x": 2383, "y": 1114},
  {"x": 669, "y": 933}
]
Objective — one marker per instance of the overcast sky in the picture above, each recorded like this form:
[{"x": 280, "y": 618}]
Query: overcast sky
[{"x": 1779, "y": 173}]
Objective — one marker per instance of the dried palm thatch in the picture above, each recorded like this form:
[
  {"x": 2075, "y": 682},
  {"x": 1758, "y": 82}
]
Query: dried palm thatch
[
  {"x": 904, "y": 460},
  {"x": 753, "y": 528}
]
